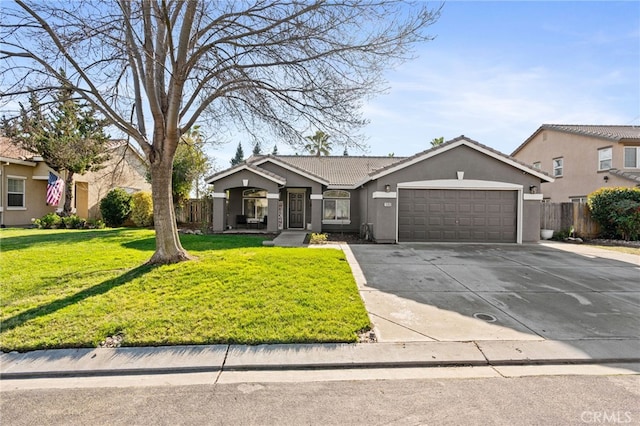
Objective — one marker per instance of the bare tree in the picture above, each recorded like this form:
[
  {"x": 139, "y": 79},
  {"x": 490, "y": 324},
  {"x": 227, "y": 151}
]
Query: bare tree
[{"x": 155, "y": 67}]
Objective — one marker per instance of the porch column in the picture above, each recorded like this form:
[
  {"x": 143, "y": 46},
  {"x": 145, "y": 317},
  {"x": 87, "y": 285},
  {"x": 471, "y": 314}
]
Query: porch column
[
  {"x": 219, "y": 213},
  {"x": 272, "y": 209},
  {"x": 316, "y": 212}
]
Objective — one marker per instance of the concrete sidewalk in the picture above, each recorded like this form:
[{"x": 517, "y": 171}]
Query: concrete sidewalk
[{"x": 213, "y": 358}]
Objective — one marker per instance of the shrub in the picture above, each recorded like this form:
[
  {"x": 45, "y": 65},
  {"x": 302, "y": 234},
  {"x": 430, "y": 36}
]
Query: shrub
[
  {"x": 142, "y": 209},
  {"x": 615, "y": 210},
  {"x": 317, "y": 238},
  {"x": 73, "y": 222},
  {"x": 625, "y": 215},
  {"x": 95, "y": 224},
  {"x": 115, "y": 207},
  {"x": 48, "y": 221}
]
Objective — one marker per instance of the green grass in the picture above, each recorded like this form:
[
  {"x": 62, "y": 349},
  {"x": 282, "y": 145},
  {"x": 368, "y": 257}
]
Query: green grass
[
  {"x": 621, "y": 249},
  {"x": 67, "y": 289}
]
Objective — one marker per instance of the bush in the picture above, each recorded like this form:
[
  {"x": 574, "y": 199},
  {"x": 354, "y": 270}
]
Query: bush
[
  {"x": 95, "y": 224},
  {"x": 318, "y": 238},
  {"x": 625, "y": 215},
  {"x": 616, "y": 211},
  {"x": 115, "y": 207},
  {"x": 142, "y": 209},
  {"x": 73, "y": 222},
  {"x": 48, "y": 221}
]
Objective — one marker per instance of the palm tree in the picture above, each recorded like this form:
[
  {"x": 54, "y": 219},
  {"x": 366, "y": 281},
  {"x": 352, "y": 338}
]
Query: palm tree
[{"x": 319, "y": 144}]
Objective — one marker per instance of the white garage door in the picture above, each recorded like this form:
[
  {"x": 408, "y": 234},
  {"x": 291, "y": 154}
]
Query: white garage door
[{"x": 453, "y": 215}]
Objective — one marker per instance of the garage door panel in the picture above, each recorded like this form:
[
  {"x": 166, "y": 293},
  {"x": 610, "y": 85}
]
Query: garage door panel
[{"x": 457, "y": 215}]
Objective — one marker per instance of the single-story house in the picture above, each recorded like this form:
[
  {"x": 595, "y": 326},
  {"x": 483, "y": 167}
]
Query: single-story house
[
  {"x": 460, "y": 191},
  {"x": 24, "y": 177}
]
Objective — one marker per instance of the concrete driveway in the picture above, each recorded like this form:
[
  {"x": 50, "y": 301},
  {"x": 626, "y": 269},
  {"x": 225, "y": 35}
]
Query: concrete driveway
[{"x": 448, "y": 292}]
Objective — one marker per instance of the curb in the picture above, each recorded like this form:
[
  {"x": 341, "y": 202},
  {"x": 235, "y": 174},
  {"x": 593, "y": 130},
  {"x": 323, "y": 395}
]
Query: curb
[{"x": 226, "y": 358}]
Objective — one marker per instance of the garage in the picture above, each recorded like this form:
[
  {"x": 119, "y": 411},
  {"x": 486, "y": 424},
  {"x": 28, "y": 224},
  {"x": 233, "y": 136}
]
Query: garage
[{"x": 458, "y": 215}]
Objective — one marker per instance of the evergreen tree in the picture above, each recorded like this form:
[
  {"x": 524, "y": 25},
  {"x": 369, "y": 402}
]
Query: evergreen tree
[
  {"x": 68, "y": 137},
  {"x": 257, "y": 149},
  {"x": 275, "y": 150},
  {"x": 239, "y": 158}
]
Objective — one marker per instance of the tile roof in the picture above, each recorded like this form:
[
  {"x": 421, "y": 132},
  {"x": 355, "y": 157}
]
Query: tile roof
[
  {"x": 609, "y": 132},
  {"x": 351, "y": 171},
  {"x": 616, "y": 133},
  {"x": 10, "y": 150},
  {"x": 344, "y": 170},
  {"x": 632, "y": 176}
]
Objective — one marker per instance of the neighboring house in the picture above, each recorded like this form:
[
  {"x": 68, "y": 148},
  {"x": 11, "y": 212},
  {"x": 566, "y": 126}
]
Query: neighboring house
[
  {"x": 24, "y": 177},
  {"x": 583, "y": 158},
  {"x": 460, "y": 191}
]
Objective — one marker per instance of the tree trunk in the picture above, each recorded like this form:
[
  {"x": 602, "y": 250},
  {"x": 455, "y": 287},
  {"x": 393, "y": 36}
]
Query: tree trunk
[
  {"x": 68, "y": 193},
  {"x": 168, "y": 246}
]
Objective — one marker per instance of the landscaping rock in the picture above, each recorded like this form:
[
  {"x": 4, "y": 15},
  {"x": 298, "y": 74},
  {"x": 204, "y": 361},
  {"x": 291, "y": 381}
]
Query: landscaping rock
[{"x": 112, "y": 341}]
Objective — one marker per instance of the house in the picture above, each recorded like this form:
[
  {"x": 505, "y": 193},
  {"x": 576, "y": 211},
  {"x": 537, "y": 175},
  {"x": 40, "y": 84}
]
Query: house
[
  {"x": 583, "y": 158},
  {"x": 460, "y": 191},
  {"x": 24, "y": 177}
]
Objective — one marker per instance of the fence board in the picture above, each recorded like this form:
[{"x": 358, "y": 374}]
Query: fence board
[
  {"x": 563, "y": 216},
  {"x": 198, "y": 211}
]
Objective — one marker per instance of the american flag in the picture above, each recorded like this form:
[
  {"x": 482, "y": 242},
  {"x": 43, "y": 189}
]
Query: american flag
[{"x": 54, "y": 189}]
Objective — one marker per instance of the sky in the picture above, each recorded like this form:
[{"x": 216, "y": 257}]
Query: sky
[{"x": 497, "y": 71}]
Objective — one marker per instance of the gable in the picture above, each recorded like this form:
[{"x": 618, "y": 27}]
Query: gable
[
  {"x": 610, "y": 133},
  {"x": 457, "y": 155}
]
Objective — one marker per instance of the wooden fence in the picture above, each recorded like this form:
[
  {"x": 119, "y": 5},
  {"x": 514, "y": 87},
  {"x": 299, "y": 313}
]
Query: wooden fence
[
  {"x": 195, "y": 211},
  {"x": 562, "y": 216}
]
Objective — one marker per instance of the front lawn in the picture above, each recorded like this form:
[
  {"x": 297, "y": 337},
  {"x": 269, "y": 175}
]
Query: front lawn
[{"x": 67, "y": 289}]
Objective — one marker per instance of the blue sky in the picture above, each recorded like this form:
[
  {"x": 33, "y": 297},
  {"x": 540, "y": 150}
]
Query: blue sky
[{"x": 498, "y": 70}]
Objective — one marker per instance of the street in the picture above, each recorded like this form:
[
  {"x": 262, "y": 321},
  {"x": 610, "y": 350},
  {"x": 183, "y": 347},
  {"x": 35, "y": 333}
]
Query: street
[{"x": 469, "y": 401}]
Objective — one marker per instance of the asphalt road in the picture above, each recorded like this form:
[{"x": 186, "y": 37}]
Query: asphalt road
[{"x": 494, "y": 401}]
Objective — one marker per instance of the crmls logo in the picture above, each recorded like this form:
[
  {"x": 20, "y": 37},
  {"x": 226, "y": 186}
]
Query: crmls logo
[{"x": 606, "y": 417}]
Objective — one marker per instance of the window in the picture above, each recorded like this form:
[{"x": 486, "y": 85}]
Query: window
[
  {"x": 336, "y": 207},
  {"x": 15, "y": 192},
  {"x": 254, "y": 203},
  {"x": 558, "y": 167},
  {"x": 537, "y": 165},
  {"x": 604, "y": 158},
  {"x": 632, "y": 157}
]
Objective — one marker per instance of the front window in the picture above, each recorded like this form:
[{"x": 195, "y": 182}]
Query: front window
[
  {"x": 254, "y": 204},
  {"x": 632, "y": 157},
  {"x": 604, "y": 158},
  {"x": 336, "y": 206},
  {"x": 15, "y": 192},
  {"x": 558, "y": 167}
]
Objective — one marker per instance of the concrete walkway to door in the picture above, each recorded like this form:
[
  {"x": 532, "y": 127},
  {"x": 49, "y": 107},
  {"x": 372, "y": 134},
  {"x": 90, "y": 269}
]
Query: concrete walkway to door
[{"x": 288, "y": 239}]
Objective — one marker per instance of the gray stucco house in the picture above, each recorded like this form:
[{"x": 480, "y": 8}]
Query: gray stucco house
[{"x": 460, "y": 191}]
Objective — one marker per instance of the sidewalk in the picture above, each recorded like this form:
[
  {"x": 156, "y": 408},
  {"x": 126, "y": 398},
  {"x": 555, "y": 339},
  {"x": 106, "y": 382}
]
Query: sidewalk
[{"x": 212, "y": 358}]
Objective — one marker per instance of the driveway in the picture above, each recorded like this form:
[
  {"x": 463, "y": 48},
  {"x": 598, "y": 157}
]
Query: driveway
[{"x": 449, "y": 292}]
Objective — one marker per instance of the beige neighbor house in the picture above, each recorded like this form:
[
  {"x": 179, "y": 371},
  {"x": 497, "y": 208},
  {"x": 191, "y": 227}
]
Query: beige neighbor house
[
  {"x": 24, "y": 177},
  {"x": 460, "y": 191},
  {"x": 583, "y": 158}
]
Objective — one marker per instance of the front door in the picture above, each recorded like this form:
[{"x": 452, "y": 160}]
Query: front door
[{"x": 296, "y": 209}]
